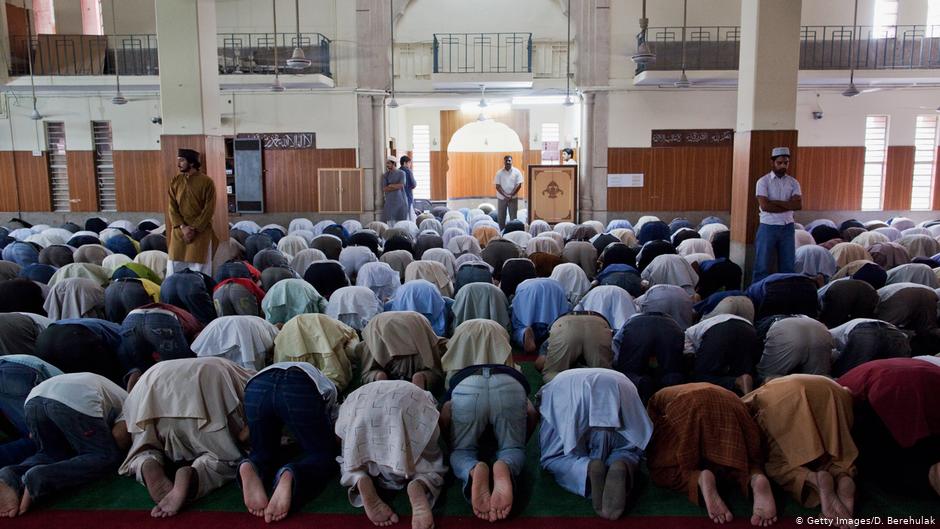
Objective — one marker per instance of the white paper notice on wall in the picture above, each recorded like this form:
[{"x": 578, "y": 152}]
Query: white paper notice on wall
[{"x": 625, "y": 180}]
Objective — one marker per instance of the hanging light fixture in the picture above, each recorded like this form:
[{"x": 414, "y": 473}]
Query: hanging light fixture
[
  {"x": 277, "y": 86},
  {"x": 392, "y": 103},
  {"x": 118, "y": 98},
  {"x": 683, "y": 81},
  {"x": 298, "y": 61},
  {"x": 644, "y": 55},
  {"x": 34, "y": 115},
  {"x": 483, "y": 103},
  {"x": 851, "y": 90},
  {"x": 568, "y": 100}
]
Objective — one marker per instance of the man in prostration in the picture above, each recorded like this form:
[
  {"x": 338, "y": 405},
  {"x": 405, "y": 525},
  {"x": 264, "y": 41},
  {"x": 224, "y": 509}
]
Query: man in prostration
[
  {"x": 393, "y": 185},
  {"x": 190, "y": 239},
  {"x": 779, "y": 195},
  {"x": 508, "y": 181}
]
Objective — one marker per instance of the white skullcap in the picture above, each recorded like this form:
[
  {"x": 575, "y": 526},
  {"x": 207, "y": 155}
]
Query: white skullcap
[{"x": 780, "y": 151}]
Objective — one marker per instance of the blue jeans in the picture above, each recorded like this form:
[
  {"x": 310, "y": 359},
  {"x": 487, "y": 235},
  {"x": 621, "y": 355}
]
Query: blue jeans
[
  {"x": 74, "y": 449},
  {"x": 16, "y": 381},
  {"x": 188, "y": 290},
  {"x": 148, "y": 338},
  {"x": 279, "y": 398},
  {"x": 496, "y": 400},
  {"x": 772, "y": 242}
]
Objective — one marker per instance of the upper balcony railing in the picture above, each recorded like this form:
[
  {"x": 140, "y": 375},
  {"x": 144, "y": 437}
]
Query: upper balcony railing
[
  {"x": 238, "y": 53},
  {"x": 821, "y": 47},
  {"x": 482, "y": 52}
]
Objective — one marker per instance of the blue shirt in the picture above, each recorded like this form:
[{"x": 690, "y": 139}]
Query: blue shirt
[{"x": 410, "y": 184}]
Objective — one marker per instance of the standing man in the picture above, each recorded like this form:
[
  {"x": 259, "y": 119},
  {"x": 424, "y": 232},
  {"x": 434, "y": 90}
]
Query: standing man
[
  {"x": 190, "y": 239},
  {"x": 779, "y": 196},
  {"x": 508, "y": 182},
  {"x": 393, "y": 184},
  {"x": 410, "y": 185}
]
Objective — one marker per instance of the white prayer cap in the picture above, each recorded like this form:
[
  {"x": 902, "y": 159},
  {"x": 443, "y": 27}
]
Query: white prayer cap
[
  {"x": 392, "y": 159},
  {"x": 780, "y": 151}
]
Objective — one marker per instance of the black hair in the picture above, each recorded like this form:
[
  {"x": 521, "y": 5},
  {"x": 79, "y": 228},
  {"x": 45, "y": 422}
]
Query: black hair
[{"x": 404, "y": 159}]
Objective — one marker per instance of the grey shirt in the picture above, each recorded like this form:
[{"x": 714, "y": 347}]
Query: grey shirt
[{"x": 396, "y": 202}]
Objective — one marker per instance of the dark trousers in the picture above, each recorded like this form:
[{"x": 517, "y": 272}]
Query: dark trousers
[
  {"x": 74, "y": 449},
  {"x": 728, "y": 350},
  {"x": 634, "y": 362},
  {"x": 187, "y": 290},
  {"x": 288, "y": 398},
  {"x": 122, "y": 297},
  {"x": 149, "y": 338},
  {"x": 16, "y": 381},
  {"x": 871, "y": 341}
]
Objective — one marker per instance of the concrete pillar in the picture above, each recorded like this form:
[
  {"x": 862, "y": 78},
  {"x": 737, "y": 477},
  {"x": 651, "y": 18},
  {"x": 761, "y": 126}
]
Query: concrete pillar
[
  {"x": 189, "y": 92},
  {"x": 43, "y": 17},
  {"x": 91, "y": 18},
  {"x": 373, "y": 74},
  {"x": 767, "y": 89}
]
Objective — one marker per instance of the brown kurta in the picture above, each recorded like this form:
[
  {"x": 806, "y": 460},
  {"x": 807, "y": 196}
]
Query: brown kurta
[
  {"x": 807, "y": 420},
  {"x": 698, "y": 426},
  {"x": 191, "y": 203}
]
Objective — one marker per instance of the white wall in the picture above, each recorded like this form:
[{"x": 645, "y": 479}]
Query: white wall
[
  {"x": 134, "y": 17},
  {"x": 256, "y": 16},
  {"x": 331, "y": 115},
  {"x": 423, "y": 18},
  {"x": 634, "y": 114}
]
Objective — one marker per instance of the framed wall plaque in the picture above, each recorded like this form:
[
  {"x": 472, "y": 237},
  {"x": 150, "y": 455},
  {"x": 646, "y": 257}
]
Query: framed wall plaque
[{"x": 553, "y": 193}]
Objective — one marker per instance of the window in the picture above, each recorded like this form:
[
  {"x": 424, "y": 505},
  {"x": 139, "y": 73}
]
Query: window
[
  {"x": 104, "y": 165},
  {"x": 551, "y": 144},
  {"x": 876, "y": 148},
  {"x": 421, "y": 160},
  {"x": 886, "y": 19},
  {"x": 925, "y": 154},
  {"x": 58, "y": 166}
]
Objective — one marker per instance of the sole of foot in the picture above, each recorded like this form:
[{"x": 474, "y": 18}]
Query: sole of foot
[
  {"x": 717, "y": 510},
  {"x": 9, "y": 501},
  {"x": 845, "y": 490},
  {"x": 745, "y": 383},
  {"x": 616, "y": 489},
  {"x": 765, "y": 509},
  {"x": 502, "y": 498},
  {"x": 377, "y": 511},
  {"x": 171, "y": 504},
  {"x": 158, "y": 485},
  {"x": 597, "y": 475},
  {"x": 934, "y": 477},
  {"x": 830, "y": 505},
  {"x": 279, "y": 505},
  {"x": 421, "y": 515},
  {"x": 528, "y": 341},
  {"x": 256, "y": 499},
  {"x": 480, "y": 496}
]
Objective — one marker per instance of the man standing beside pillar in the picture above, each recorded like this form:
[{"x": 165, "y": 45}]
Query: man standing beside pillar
[
  {"x": 190, "y": 238},
  {"x": 778, "y": 195}
]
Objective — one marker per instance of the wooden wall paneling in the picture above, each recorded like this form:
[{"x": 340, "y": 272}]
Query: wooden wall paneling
[
  {"x": 627, "y": 160},
  {"x": 831, "y": 177},
  {"x": 351, "y": 184},
  {"x": 751, "y": 161},
  {"x": 899, "y": 174},
  {"x": 141, "y": 180},
  {"x": 470, "y": 174},
  {"x": 290, "y": 176},
  {"x": 83, "y": 186},
  {"x": 32, "y": 173},
  {"x": 9, "y": 201},
  {"x": 329, "y": 194},
  {"x": 438, "y": 175}
]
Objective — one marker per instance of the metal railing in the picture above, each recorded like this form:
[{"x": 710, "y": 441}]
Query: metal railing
[
  {"x": 253, "y": 53},
  {"x": 482, "y": 52},
  {"x": 238, "y": 53},
  {"x": 821, "y": 47}
]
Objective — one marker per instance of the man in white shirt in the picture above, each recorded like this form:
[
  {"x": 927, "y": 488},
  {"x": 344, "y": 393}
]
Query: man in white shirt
[
  {"x": 779, "y": 195},
  {"x": 508, "y": 182}
]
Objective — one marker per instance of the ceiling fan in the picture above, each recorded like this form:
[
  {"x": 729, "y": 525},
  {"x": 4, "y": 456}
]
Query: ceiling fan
[{"x": 852, "y": 90}]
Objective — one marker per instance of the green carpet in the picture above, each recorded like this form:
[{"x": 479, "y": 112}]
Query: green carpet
[{"x": 538, "y": 496}]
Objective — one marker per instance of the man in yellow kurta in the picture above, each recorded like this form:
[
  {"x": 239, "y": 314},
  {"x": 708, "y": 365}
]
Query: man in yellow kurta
[{"x": 190, "y": 239}]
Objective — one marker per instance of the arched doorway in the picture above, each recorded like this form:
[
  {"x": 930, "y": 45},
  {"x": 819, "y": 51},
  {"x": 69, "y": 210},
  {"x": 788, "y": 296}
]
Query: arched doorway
[{"x": 474, "y": 155}]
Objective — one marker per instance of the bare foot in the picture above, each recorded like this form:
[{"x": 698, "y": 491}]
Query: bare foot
[
  {"x": 421, "y": 515},
  {"x": 480, "y": 491},
  {"x": 501, "y": 501},
  {"x": 845, "y": 490},
  {"x": 934, "y": 477},
  {"x": 26, "y": 501},
  {"x": 765, "y": 509},
  {"x": 616, "y": 487},
  {"x": 132, "y": 380},
  {"x": 597, "y": 475},
  {"x": 528, "y": 341},
  {"x": 158, "y": 485},
  {"x": 9, "y": 501},
  {"x": 171, "y": 503},
  {"x": 377, "y": 511},
  {"x": 831, "y": 506},
  {"x": 279, "y": 505},
  {"x": 256, "y": 499},
  {"x": 381, "y": 375},
  {"x": 745, "y": 383},
  {"x": 540, "y": 363},
  {"x": 418, "y": 379},
  {"x": 717, "y": 510}
]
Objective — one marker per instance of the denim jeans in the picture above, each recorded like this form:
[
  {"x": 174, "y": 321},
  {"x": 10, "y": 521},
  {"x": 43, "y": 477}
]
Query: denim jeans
[
  {"x": 774, "y": 242},
  {"x": 478, "y": 401},
  {"x": 123, "y": 296},
  {"x": 188, "y": 290},
  {"x": 16, "y": 381},
  {"x": 149, "y": 338},
  {"x": 74, "y": 449},
  {"x": 279, "y": 398}
]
